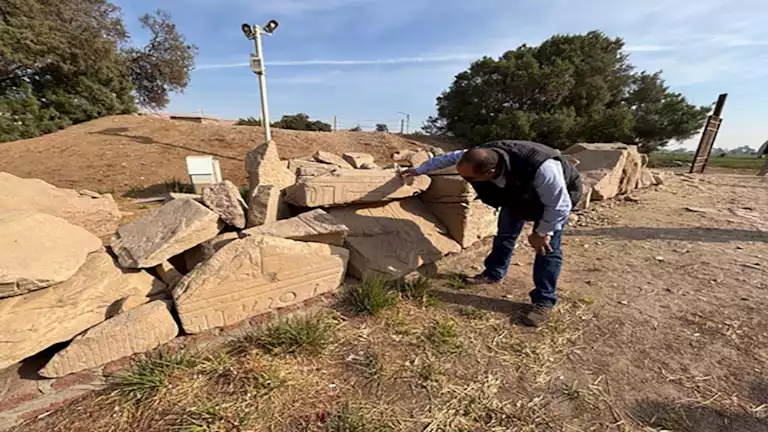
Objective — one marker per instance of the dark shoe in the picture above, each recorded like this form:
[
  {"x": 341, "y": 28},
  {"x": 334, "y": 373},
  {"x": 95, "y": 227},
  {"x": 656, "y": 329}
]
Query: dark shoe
[
  {"x": 480, "y": 279},
  {"x": 537, "y": 315}
]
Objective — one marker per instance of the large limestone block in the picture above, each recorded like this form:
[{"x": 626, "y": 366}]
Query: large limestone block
[
  {"x": 32, "y": 322},
  {"x": 603, "y": 171},
  {"x": 302, "y": 167},
  {"x": 466, "y": 222},
  {"x": 410, "y": 157},
  {"x": 265, "y": 169},
  {"x": 313, "y": 226},
  {"x": 632, "y": 171},
  {"x": 253, "y": 275},
  {"x": 448, "y": 189},
  {"x": 38, "y": 250},
  {"x": 138, "y": 330},
  {"x": 357, "y": 160},
  {"x": 266, "y": 205},
  {"x": 96, "y": 213},
  {"x": 391, "y": 240},
  {"x": 646, "y": 179},
  {"x": 224, "y": 199},
  {"x": 164, "y": 232},
  {"x": 330, "y": 158},
  {"x": 354, "y": 186}
]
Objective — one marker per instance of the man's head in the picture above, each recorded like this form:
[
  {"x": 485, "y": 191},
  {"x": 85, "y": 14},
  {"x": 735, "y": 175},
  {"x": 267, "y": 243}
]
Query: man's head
[{"x": 478, "y": 164}]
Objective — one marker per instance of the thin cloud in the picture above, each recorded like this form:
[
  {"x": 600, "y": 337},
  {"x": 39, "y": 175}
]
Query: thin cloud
[{"x": 353, "y": 62}]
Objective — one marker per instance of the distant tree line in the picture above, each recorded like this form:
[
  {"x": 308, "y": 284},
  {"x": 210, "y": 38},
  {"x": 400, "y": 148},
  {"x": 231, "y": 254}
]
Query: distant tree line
[
  {"x": 69, "y": 61},
  {"x": 298, "y": 121},
  {"x": 568, "y": 89}
]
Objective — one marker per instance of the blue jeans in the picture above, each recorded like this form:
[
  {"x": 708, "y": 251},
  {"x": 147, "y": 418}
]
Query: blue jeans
[{"x": 546, "y": 268}]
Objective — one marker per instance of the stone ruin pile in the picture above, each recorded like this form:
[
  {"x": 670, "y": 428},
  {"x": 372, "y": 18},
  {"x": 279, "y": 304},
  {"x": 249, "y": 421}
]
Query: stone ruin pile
[{"x": 213, "y": 260}]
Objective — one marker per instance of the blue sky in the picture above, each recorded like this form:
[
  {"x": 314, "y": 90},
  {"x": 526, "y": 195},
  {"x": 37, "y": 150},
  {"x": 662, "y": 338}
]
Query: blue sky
[{"x": 366, "y": 60}]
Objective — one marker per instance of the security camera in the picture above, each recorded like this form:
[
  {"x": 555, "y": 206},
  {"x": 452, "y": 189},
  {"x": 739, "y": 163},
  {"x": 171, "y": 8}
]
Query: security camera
[
  {"x": 271, "y": 26},
  {"x": 248, "y": 31}
]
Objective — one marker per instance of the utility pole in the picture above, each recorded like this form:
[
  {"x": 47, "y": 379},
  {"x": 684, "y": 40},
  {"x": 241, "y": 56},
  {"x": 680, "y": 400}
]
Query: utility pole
[
  {"x": 407, "y": 122},
  {"x": 334, "y": 123},
  {"x": 254, "y": 32},
  {"x": 402, "y": 125}
]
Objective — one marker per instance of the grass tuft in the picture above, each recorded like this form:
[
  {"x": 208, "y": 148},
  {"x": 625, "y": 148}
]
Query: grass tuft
[
  {"x": 458, "y": 282},
  {"x": 370, "y": 363},
  {"x": 178, "y": 186},
  {"x": 473, "y": 313},
  {"x": 418, "y": 290},
  {"x": 370, "y": 297},
  {"x": 443, "y": 336},
  {"x": 147, "y": 376},
  {"x": 244, "y": 192},
  {"x": 350, "y": 419},
  {"x": 310, "y": 334}
]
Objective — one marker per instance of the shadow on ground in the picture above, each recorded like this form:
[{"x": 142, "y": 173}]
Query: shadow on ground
[{"x": 709, "y": 235}]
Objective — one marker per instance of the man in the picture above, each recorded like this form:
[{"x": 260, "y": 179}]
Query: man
[{"x": 527, "y": 181}]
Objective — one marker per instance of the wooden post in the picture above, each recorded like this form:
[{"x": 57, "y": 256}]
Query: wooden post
[{"x": 708, "y": 137}]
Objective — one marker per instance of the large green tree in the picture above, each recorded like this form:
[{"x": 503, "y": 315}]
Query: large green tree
[
  {"x": 68, "y": 61},
  {"x": 571, "y": 88}
]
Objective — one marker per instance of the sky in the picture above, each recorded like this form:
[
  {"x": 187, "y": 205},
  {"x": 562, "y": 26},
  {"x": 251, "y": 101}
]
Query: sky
[{"x": 372, "y": 61}]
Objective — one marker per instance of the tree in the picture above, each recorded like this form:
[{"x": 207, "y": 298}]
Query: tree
[
  {"x": 381, "y": 127},
  {"x": 571, "y": 88},
  {"x": 163, "y": 65},
  {"x": 66, "y": 62},
  {"x": 249, "y": 121},
  {"x": 356, "y": 128},
  {"x": 301, "y": 121}
]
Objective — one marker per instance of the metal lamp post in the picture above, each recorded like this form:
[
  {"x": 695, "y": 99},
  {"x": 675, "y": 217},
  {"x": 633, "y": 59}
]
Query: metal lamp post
[{"x": 254, "y": 32}]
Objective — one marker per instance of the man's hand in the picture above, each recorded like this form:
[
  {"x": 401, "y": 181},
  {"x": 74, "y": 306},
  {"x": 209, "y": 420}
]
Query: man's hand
[
  {"x": 410, "y": 172},
  {"x": 540, "y": 243}
]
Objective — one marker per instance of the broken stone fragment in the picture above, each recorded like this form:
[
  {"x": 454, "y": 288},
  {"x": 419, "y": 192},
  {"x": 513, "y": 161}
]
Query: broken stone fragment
[
  {"x": 354, "y": 186},
  {"x": 253, "y": 275},
  {"x": 34, "y": 321},
  {"x": 138, "y": 330},
  {"x": 38, "y": 250},
  {"x": 268, "y": 176},
  {"x": 168, "y": 273},
  {"x": 164, "y": 232},
  {"x": 224, "y": 199},
  {"x": 330, "y": 158},
  {"x": 96, "y": 213},
  {"x": 466, "y": 222},
  {"x": 357, "y": 160},
  {"x": 391, "y": 240}
]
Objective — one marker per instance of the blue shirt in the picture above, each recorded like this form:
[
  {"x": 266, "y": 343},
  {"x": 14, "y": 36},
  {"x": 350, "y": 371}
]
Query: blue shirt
[{"x": 549, "y": 183}]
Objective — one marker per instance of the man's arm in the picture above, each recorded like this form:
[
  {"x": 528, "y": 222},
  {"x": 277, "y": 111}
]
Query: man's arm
[
  {"x": 439, "y": 162},
  {"x": 550, "y": 185}
]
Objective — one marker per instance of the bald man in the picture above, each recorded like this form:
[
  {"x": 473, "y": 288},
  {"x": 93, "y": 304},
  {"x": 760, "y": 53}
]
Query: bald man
[{"x": 526, "y": 181}]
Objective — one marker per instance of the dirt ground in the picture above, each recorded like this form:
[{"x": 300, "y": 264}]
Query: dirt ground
[{"x": 662, "y": 325}]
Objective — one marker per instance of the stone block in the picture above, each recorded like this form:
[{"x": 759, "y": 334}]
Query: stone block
[
  {"x": 34, "y": 321},
  {"x": 205, "y": 250},
  {"x": 96, "y": 213},
  {"x": 330, "y": 158},
  {"x": 357, "y": 160},
  {"x": 266, "y": 204},
  {"x": 646, "y": 179},
  {"x": 418, "y": 158},
  {"x": 168, "y": 273},
  {"x": 391, "y": 240},
  {"x": 580, "y": 147},
  {"x": 644, "y": 159},
  {"x": 313, "y": 226},
  {"x": 254, "y": 275},
  {"x": 354, "y": 186},
  {"x": 658, "y": 178},
  {"x": 633, "y": 167},
  {"x": 371, "y": 166},
  {"x": 302, "y": 167},
  {"x": 38, "y": 250},
  {"x": 448, "y": 189},
  {"x": 586, "y": 198},
  {"x": 603, "y": 171},
  {"x": 138, "y": 330},
  {"x": 224, "y": 199},
  {"x": 466, "y": 222},
  {"x": 164, "y": 232},
  {"x": 125, "y": 304}
]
